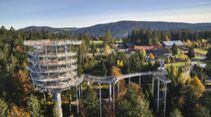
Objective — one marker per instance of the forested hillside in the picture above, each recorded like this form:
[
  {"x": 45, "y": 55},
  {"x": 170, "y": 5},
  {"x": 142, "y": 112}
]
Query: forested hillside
[{"x": 123, "y": 28}]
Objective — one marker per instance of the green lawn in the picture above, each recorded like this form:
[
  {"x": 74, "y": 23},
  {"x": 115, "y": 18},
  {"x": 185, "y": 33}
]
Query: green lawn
[
  {"x": 200, "y": 51},
  {"x": 177, "y": 64},
  {"x": 99, "y": 42}
]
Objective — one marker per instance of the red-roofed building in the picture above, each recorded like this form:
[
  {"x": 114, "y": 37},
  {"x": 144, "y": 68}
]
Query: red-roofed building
[{"x": 155, "y": 50}]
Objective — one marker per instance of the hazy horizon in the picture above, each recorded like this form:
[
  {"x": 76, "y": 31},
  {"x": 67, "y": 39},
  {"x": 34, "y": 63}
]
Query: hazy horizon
[{"x": 81, "y": 13}]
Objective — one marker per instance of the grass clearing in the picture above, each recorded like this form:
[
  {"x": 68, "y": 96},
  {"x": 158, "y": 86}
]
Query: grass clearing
[
  {"x": 98, "y": 42},
  {"x": 177, "y": 64},
  {"x": 200, "y": 51}
]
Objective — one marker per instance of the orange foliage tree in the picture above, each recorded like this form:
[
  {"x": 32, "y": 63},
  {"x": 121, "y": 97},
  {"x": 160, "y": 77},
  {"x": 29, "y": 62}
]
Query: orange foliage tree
[
  {"x": 21, "y": 80},
  {"x": 16, "y": 111},
  {"x": 115, "y": 71},
  {"x": 197, "y": 86},
  {"x": 151, "y": 56}
]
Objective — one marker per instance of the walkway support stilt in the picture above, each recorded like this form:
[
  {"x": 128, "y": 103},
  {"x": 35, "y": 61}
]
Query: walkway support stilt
[
  {"x": 77, "y": 103},
  {"x": 79, "y": 92},
  {"x": 165, "y": 93},
  {"x": 110, "y": 92},
  {"x": 153, "y": 82},
  {"x": 118, "y": 88},
  {"x": 100, "y": 100},
  {"x": 158, "y": 95},
  {"x": 114, "y": 98},
  {"x": 139, "y": 81}
]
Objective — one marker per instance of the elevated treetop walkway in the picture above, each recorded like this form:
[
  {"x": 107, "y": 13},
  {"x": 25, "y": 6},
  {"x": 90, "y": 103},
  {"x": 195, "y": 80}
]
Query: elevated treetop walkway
[{"x": 159, "y": 76}]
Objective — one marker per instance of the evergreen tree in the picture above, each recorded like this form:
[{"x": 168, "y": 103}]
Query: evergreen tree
[
  {"x": 3, "y": 108},
  {"x": 198, "y": 71},
  {"x": 176, "y": 113},
  {"x": 90, "y": 103},
  {"x": 34, "y": 107},
  {"x": 191, "y": 53},
  {"x": 108, "y": 38},
  {"x": 174, "y": 49},
  {"x": 209, "y": 54},
  {"x": 93, "y": 49},
  {"x": 133, "y": 105},
  {"x": 104, "y": 70},
  {"x": 56, "y": 111},
  {"x": 202, "y": 112}
]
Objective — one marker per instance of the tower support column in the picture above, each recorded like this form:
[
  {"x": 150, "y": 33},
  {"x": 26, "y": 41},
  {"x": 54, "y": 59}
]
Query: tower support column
[{"x": 57, "y": 99}]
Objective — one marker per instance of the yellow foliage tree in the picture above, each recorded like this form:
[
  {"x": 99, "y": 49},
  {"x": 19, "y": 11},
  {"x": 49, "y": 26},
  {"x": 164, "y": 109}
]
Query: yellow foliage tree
[
  {"x": 120, "y": 63},
  {"x": 115, "y": 71},
  {"x": 167, "y": 38},
  {"x": 151, "y": 56},
  {"x": 204, "y": 42},
  {"x": 182, "y": 56},
  {"x": 16, "y": 111},
  {"x": 107, "y": 50},
  {"x": 23, "y": 80},
  {"x": 198, "y": 86},
  {"x": 143, "y": 51},
  {"x": 184, "y": 78},
  {"x": 174, "y": 71},
  {"x": 188, "y": 43}
]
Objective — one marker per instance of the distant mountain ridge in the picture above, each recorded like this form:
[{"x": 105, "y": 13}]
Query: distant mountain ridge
[
  {"x": 123, "y": 28},
  {"x": 46, "y": 28}
]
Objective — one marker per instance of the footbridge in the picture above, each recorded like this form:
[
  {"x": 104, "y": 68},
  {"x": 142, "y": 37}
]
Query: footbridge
[{"x": 158, "y": 77}]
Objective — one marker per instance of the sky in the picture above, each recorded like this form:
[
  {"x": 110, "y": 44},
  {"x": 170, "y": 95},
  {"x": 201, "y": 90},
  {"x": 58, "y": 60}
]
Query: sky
[{"x": 83, "y": 13}]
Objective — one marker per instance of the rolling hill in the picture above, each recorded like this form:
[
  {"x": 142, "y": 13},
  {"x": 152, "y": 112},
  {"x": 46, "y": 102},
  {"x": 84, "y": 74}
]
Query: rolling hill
[{"x": 123, "y": 28}]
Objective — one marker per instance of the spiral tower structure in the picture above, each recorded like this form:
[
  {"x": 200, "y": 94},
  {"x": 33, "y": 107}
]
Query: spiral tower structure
[{"x": 53, "y": 65}]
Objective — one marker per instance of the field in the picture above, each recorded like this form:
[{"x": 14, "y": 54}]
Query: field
[
  {"x": 200, "y": 51},
  {"x": 177, "y": 64},
  {"x": 99, "y": 42}
]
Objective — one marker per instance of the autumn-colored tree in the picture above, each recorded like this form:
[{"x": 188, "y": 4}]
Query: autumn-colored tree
[
  {"x": 151, "y": 56},
  {"x": 184, "y": 78},
  {"x": 107, "y": 50},
  {"x": 23, "y": 79},
  {"x": 143, "y": 51},
  {"x": 16, "y": 111},
  {"x": 120, "y": 63},
  {"x": 182, "y": 56},
  {"x": 188, "y": 43},
  {"x": 197, "y": 86},
  {"x": 115, "y": 71}
]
